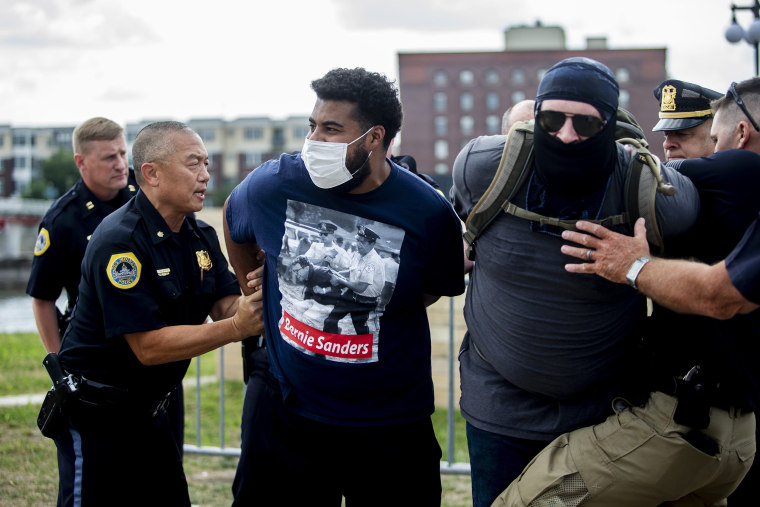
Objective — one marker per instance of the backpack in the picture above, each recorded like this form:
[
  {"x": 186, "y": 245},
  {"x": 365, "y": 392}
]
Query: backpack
[{"x": 641, "y": 185}]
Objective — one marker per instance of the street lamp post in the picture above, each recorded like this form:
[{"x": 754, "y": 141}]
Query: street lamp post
[{"x": 735, "y": 32}]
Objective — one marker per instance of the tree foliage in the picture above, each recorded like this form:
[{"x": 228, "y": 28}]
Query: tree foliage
[{"x": 58, "y": 174}]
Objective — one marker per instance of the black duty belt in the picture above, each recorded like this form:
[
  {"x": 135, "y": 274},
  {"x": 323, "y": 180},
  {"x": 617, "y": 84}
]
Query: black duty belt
[
  {"x": 97, "y": 394},
  {"x": 691, "y": 389}
]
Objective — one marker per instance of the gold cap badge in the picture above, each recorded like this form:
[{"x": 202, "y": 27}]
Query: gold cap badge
[{"x": 668, "y": 98}]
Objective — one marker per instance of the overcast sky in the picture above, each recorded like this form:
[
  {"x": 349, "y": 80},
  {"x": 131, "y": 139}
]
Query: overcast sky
[{"x": 64, "y": 61}]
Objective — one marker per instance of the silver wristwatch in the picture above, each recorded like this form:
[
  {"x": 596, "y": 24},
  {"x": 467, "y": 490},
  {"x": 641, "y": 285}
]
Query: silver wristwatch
[{"x": 635, "y": 269}]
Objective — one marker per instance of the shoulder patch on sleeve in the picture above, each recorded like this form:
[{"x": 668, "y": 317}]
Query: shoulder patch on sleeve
[
  {"x": 123, "y": 270},
  {"x": 42, "y": 243}
]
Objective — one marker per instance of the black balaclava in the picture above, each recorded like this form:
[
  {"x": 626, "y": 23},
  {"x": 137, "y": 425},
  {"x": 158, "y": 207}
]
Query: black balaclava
[{"x": 577, "y": 170}]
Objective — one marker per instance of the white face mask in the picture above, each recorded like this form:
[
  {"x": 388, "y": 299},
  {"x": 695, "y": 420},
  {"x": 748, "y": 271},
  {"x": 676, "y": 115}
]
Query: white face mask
[{"x": 326, "y": 162}]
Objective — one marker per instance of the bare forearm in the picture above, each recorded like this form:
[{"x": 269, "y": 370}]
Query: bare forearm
[
  {"x": 243, "y": 257},
  {"x": 46, "y": 319},
  {"x": 224, "y": 308},
  {"x": 175, "y": 343},
  {"x": 683, "y": 286},
  {"x": 693, "y": 287}
]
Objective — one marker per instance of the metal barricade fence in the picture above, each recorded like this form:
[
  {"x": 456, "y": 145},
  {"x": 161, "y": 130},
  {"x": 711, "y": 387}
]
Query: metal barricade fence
[{"x": 449, "y": 466}]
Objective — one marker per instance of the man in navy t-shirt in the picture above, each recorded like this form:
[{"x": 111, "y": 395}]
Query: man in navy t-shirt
[{"x": 348, "y": 394}]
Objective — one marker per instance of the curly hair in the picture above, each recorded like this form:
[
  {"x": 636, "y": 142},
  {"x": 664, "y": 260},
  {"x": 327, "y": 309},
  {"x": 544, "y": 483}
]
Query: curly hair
[{"x": 376, "y": 98}]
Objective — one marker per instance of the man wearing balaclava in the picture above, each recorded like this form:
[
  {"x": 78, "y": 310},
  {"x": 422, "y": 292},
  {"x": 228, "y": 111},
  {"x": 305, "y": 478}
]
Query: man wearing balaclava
[{"x": 545, "y": 351}]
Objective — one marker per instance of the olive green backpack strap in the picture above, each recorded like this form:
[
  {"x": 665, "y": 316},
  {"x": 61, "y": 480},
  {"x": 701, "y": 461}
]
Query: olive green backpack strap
[
  {"x": 517, "y": 154},
  {"x": 641, "y": 188}
]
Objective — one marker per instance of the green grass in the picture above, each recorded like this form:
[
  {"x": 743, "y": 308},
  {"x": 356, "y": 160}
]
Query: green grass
[{"x": 28, "y": 469}]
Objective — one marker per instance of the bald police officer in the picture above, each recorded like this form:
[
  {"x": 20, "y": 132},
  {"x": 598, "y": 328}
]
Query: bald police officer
[
  {"x": 150, "y": 277},
  {"x": 685, "y": 118}
]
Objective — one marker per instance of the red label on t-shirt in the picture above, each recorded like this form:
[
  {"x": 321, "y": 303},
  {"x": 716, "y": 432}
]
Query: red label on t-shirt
[{"x": 337, "y": 346}]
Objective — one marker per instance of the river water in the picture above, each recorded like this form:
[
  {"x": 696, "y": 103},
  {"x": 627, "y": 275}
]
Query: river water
[{"x": 16, "y": 314}]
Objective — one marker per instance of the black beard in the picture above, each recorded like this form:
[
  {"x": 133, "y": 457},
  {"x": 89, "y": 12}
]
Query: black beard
[{"x": 358, "y": 165}]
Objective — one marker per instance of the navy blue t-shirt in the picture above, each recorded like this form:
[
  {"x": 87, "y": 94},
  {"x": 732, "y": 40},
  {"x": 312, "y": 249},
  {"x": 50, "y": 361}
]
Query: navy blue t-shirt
[{"x": 342, "y": 355}]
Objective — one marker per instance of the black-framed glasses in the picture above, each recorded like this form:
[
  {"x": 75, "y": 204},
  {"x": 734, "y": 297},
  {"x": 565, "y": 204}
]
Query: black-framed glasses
[
  {"x": 585, "y": 125},
  {"x": 740, "y": 103}
]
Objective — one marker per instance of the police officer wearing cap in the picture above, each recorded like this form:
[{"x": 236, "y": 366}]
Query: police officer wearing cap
[
  {"x": 151, "y": 275},
  {"x": 685, "y": 118},
  {"x": 326, "y": 252},
  {"x": 365, "y": 283},
  {"x": 100, "y": 153}
]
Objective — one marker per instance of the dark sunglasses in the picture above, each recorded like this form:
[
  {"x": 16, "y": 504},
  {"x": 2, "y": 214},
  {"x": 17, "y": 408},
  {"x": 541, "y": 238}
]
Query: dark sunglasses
[
  {"x": 740, "y": 103},
  {"x": 584, "y": 124}
]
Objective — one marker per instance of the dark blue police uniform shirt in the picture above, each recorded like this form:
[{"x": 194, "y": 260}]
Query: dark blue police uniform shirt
[
  {"x": 138, "y": 275},
  {"x": 727, "y": 183},
  {"x": 63, "y": 236},
  {"x": 744, "y": 264}
]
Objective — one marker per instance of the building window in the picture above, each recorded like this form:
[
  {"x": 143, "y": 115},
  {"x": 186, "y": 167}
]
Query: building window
[
  {"x": 540, "y": 74},
  {"x": 492, "y": 101},
  {"x": 518, "y": 76},
  {"x": 301, "y": 132},
  {"x": 253, "y": 133},
  {"x": 20, "y": 139},
  {"x": 439, "y": 78},
  {"x": 466, "y": 101},
  {"x": 466, "y": 77},
  {"x": 622, "y": 75},
  {"x": 492, "y": 77},
  {"x": 441, "y": 168},
  {"x": 439, "y": 102},
  {"x": 517, "y": 96},
  {"x": 19, "y": 163},
  {"x": 441, "y": 149},
  {"x": 467, "y": 125},
  {"x": 440, "y": 125},
  {"x": 493, "y": 124},
  {"x": 624, "y": 98},
  {"x": 62, "y": 138},
  {"x": 206, "y": 134},
  {"x": 252, "y": 159}
]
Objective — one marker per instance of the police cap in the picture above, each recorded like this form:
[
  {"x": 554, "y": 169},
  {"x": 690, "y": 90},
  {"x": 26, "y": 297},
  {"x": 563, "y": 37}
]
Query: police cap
[
  {"x": 367, "y": 233},
  {"x": 683, "y": 105},
  {"x": 328, "y": 227}
]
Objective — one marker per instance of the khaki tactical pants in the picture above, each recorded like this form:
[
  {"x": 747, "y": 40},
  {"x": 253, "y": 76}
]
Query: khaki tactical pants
[{"x": 638, "y": 457}]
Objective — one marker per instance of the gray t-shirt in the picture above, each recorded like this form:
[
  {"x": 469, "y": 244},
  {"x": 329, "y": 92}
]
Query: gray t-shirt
[{"x": 553, "y": 341}]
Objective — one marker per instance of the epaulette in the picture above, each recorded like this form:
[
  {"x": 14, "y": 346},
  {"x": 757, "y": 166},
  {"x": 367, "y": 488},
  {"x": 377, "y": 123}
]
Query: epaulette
[{"x": 60, "y": 204}]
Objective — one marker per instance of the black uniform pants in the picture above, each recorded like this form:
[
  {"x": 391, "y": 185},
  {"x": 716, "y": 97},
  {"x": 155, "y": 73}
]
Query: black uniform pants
[
  {"x": 119, "y": 456},
  {"x": 290, "y": 460}
]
